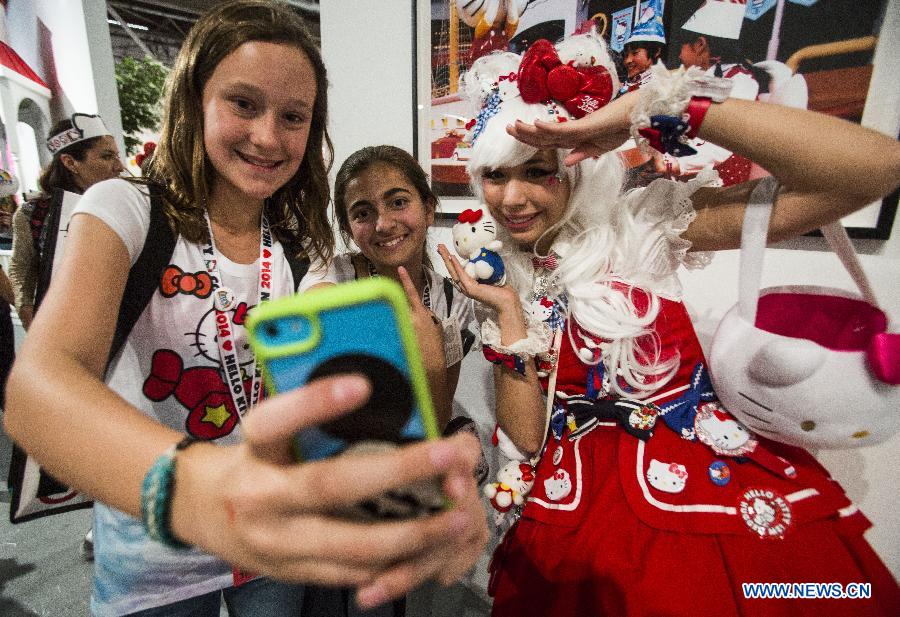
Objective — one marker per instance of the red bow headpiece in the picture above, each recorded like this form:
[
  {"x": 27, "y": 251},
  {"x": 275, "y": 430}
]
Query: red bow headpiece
[
  {"x": 543, "y": 76},
  {"x": 470, "y": 216}
]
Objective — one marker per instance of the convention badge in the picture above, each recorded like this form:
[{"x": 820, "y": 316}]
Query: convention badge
[
  {"x": 223, "y": 299},
  {"x": 557, "y": 455},
  {"x": 558, "y": 486},
  {"x": 453, "y": 345},
  {"x": 719, "y": 473},
  {"x": 721, "y": 432},
  {"x": 765, "y": 512}
]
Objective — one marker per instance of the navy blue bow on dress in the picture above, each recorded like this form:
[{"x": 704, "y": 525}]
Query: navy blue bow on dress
[
  {"x": 679, "y": 414},
  {"x": 665, "y": 135}
]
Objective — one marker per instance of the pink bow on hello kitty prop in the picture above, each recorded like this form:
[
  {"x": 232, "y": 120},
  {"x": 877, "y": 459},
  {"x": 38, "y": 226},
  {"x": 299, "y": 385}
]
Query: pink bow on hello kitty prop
[{"x": 805, "y": 365}]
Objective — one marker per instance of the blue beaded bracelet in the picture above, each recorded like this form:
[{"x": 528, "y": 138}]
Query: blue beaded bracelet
[{"x": 156, "y": 496}]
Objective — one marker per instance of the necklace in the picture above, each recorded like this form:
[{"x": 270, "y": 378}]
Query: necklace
[{"x": 426, "y": 288}]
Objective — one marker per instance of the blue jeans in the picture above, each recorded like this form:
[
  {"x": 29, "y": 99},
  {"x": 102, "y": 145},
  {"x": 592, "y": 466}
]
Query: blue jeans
[{"x": 261, "y": 597}]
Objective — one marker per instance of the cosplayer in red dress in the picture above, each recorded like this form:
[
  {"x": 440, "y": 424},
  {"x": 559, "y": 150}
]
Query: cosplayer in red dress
[
  {"x": 618, "y": 502},
  {"x": 649, "y": 498}
]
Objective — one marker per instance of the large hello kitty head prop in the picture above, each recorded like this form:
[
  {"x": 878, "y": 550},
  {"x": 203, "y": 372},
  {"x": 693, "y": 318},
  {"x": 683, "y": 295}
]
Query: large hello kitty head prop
[{"x": 804, "y": 365}]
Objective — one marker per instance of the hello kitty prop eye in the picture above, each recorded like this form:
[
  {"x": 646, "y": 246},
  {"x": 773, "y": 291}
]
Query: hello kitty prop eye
[{"x": 805, "y": 365}]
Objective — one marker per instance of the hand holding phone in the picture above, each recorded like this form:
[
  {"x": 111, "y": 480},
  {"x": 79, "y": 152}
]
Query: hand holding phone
[{"x": 360, "y": 327}]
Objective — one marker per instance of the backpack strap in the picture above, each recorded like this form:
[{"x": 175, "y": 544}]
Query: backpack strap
[
  {"x": 48, "y": 233},
  {"x": 468, "y": 338},
  {"x": 299, "y": 265},
  {"x": 144, "y": 277}
]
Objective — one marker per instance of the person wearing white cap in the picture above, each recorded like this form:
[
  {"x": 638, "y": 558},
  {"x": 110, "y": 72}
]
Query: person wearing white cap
[
  {"x": 84, "y": 153},
  {"x": 645, "y": 45},
  {"x": 709, "y": 39}
]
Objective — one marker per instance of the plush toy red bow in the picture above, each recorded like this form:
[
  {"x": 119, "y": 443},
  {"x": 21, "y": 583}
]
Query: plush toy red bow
[
  {"x": 527, "y": 472},
  {"x": 470, "y": 216},
  {"x": 543, "y": 76}
]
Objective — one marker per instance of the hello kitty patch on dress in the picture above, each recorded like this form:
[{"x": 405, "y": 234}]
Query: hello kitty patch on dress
[
  {"x": 558, "y": 486},
  {"x": 667, "y": 477},
  {"x": 720, "y": 431}
]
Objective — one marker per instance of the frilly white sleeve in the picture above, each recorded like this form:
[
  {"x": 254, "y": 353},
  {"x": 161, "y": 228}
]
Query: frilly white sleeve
[{"x": 662, "y": 212}]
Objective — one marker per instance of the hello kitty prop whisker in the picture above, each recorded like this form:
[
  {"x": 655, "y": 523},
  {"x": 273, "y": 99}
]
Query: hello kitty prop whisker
[
  {"x": 475, "y": 239},
  {"x": 805, "y": 365}
]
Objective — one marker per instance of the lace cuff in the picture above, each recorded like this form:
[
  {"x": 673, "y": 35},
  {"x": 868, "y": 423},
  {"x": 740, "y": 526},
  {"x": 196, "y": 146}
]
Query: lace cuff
[
  {"x": 537, "y": 341},
  {"x": 663, "y": 211}
]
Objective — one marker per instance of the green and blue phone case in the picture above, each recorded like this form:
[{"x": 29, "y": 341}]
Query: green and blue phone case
[{"x": 357, "y": 327}]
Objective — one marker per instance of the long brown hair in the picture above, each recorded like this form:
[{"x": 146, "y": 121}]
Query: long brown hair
[
  {"x": 297, "y": 210},
  {"x": 56, "y": 175}
]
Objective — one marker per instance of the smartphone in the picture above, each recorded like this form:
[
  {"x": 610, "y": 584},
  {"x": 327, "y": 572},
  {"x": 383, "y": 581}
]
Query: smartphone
[{"x": 360, "y": 327}]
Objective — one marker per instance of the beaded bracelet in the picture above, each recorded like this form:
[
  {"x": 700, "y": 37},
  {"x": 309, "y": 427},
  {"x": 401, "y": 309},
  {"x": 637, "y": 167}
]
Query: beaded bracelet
[{"x": 156, "y": 496}]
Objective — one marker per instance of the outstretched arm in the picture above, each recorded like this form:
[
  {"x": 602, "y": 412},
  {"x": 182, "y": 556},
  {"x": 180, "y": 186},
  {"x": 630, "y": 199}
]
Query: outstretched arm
[
  {"x": 278, "y": 514},
  {"x": 828, "y": 167},
  {"x": 520, "y": 404}
]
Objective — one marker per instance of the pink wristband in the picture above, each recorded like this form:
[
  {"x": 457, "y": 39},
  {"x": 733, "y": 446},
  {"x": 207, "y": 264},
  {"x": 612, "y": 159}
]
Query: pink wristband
[{"x": 696, "y": 111}]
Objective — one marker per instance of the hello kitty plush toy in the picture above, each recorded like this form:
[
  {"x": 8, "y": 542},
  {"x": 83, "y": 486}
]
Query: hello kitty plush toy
[
  {"x": 514, "y": 482},
  {"x": 475, "y": 239}
]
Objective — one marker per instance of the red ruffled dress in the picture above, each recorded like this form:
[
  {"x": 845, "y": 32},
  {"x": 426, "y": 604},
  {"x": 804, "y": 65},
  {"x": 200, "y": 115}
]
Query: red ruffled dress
[
  {"x": 637, "y": 510},
  {"x": 675, "y": 523}
]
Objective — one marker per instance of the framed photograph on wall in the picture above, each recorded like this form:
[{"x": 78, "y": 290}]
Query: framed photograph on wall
[
  {"x": 845, "y": 50},
  {"x": 451, "y": 34}
]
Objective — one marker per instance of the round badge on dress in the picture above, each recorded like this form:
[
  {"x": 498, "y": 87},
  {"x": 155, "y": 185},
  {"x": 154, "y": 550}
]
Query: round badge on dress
[
  {"x": 765, "y": 512},
  {"x": 719, "y": 473},
  {"x": 719, "y": 430},
  {"x": 557, "y": 455},
  {"x": 223, "y": 299},
  {"x": 644, "y": 418}
]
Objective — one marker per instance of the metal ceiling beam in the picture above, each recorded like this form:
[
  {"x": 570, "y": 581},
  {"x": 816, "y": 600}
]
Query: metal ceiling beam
[
  {"x": 305, "y": 5},
  {"x": 115, "y": 15},
  {"x": 148, "y": 11}
]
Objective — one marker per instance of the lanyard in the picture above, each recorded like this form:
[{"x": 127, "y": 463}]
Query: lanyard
[{"x": 224, "y": 301}]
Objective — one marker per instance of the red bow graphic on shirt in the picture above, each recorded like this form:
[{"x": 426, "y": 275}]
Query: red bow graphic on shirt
[
  {"x": 543, "y": 76},
  {"x": 175, "y": 281}
]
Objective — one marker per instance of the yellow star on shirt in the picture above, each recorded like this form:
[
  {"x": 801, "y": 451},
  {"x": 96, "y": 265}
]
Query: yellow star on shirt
[{"x": 216, "y": 415}]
